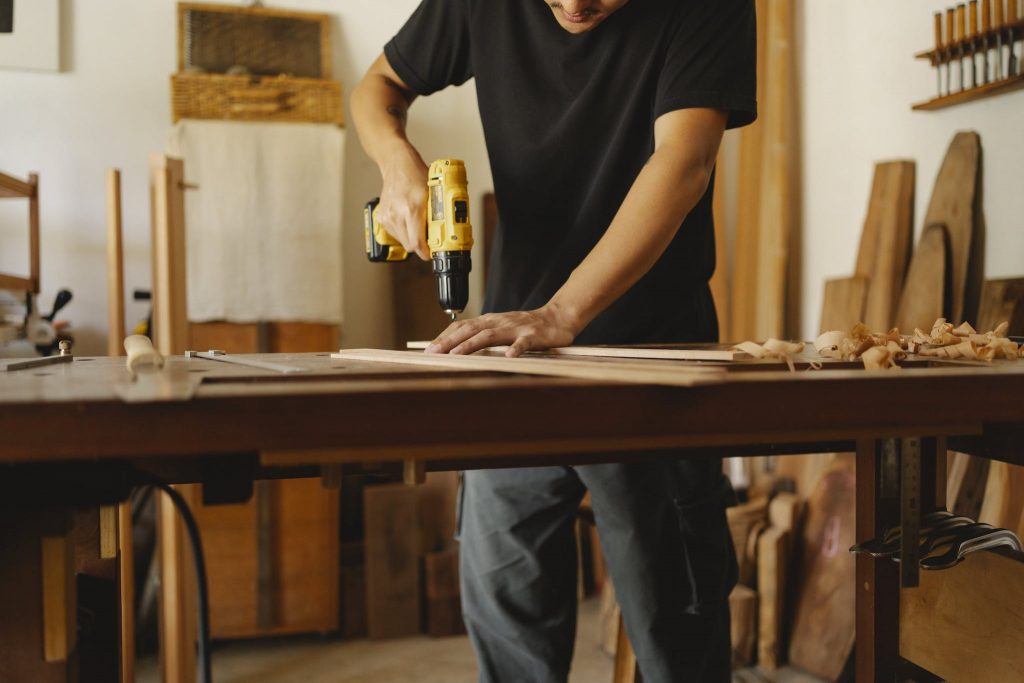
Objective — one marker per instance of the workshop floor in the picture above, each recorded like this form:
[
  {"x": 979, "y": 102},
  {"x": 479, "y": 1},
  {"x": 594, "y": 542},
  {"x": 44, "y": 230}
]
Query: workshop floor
[{"x": 313, "y": 659}]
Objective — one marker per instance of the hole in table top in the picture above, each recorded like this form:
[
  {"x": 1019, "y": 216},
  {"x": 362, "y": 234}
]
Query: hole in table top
[
  {"x": 41, "y": 374},
  {"x": 198, "y": 370},
  {"x": 84, "y": 360}
]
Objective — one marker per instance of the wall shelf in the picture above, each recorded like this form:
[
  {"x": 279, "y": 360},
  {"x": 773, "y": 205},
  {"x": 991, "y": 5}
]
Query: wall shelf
[
  {"x": 979, "y": 93},
  {"x": 12, "y": 188}
]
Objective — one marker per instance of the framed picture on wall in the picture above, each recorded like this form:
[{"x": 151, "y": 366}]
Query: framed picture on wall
[{"x": 33, "y": 41}]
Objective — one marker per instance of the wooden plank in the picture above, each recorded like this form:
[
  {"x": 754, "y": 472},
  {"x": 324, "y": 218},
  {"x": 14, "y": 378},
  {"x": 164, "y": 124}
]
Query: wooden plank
[
  {"x": 720, "y": 281},
  {"x": 229, "y": 337},
  {"x": 955, "y": 202},
  {"x": 16, "y": 283},
  {"x": 743, "y": 613},
  {"x": 959, "y": 627},
  {"x": 11, "y": 187},
  {"x": 823, "y": 624},
  {"x": 886, "y": 240},
  {"x": 59, "y": 602},
  {"x": 178, "y": 611},
  {"x": 115, "y": 266},
  {"x": 392, "y": 561},
  {"x": 843, "y": 305},
  {"x": 126, "y": 589},
  {"x": 33, "y": 233},
  {"x": 300, "y": 337},
  {"x": 1003, "y": 504},
  {"x": 1002, "y": 300},
  {"x": 743, "y": 313},
  {"x": 444, "y": 608},
  {"x": 643, "y": 352},
  {"x": 170, "y": 316},
  {"x": 966, "y": 481},
  {"x": 772, "y": 566},
  {"x": 108, "y": 532},
  {"x": 926, "y": 291},
  {"x": 551, "y": 367},
  {"x": 778, "y": 215}
]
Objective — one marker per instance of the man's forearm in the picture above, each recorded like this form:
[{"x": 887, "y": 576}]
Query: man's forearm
[
  {"x": 380, "y": 105},
  {"x": 664, "y": 193}
]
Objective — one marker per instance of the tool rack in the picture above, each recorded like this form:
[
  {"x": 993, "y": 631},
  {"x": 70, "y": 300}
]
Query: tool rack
[{"x": 961, "y": 45}]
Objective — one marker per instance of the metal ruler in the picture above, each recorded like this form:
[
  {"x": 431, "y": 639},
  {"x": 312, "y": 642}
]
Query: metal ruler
[
  {"x": 910, "y": 511},
  {"x": 224, "y": 357}
]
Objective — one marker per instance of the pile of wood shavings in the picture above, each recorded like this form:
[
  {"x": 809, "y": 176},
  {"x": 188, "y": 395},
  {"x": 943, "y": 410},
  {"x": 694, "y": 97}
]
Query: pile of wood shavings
[
  {"x": 773, "y": 349},
  {"x": 882, "y": 351}
]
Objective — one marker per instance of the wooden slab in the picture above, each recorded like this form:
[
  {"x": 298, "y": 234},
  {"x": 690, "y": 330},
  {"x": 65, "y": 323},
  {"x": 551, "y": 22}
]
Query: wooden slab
[
  {"x": 926, "y": 291},
  {"x": 772, "y": 568},
  {"x": 967, "y": 623},
  {"x": 1002, "y": 300},
  {"x": 392, "y": 561},
  {"x": 956, "y": 203},
  {"x": 649, "y": 352},
  {"x": 885, "y": 241},
  {"x": 965, "y": 483},
  {"x": 1003, "y": 504},
  {"x": 823, "y": 624},
  {"x": 620, "y": 371},
  {"x": 743, "y": 613},
  {"x": 843, "y": 306}
]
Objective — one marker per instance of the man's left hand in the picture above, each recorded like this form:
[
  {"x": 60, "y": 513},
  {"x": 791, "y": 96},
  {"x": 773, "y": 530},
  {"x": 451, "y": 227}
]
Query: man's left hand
[{"x": 521, "y": 331}]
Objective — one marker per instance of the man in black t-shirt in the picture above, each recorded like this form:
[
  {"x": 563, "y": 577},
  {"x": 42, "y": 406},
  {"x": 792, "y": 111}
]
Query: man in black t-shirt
[{"x": 603, "y": 120}]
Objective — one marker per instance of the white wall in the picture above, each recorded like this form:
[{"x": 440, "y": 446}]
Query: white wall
[
  {"x": 860, "y": 80},
  {"x": 110, "y": 106}
]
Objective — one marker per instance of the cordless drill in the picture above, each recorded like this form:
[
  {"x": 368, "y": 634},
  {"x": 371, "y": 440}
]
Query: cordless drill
[{"x": 449, "y": 234}]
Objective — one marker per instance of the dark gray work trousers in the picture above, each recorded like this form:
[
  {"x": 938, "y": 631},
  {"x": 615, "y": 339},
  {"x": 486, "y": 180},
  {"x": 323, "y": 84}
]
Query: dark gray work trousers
[{"x": 667, "y": 546}]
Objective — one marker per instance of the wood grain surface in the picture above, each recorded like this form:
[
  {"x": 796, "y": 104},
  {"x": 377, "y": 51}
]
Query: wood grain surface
[
  {"x": 926, "y": 291},
  {"x": 886, "y": 240},
  {"x": 823, "y": 625},
  {"x": 1002, "y": 301},
  {"x": 843, "y": 305},
  {"x": 956, "y": 203}
]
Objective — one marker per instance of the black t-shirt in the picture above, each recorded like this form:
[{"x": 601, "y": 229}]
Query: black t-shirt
[{"x": 569, "y": 123}]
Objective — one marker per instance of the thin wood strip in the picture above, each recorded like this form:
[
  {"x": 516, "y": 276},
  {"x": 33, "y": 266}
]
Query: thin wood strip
[
  {"x": 178, "y": 609},
  {"x": 108, "y": 532},
  {"x": 33, "y": 232},
  {"x": 115, "y": 266},
  {"x": 625, "y": 352},
  {"x": 59, "y": 603},
  {"x": 13, "y": 188},
  {"x": 16, "y": 283},
  {"x": 126, "y": 589},
  {"x": 170, "y": 318},
  {"x": 552, "y": 367}
]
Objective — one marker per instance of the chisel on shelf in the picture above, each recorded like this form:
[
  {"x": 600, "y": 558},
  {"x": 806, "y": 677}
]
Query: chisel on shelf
[
  {"x": 974, "y": 43},
  {"x": 950, "y": 40},
  {"x": 986, "y": 28},
  {"x": 961, "y": 29},
  {"x": 1000, "y": 21},
  {"x": 939, "y": 51},
  {"x": 1012, "y": 69}
]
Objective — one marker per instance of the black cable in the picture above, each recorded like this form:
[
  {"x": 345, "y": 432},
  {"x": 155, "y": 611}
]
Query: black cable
[{"x": 203, "y": 649}]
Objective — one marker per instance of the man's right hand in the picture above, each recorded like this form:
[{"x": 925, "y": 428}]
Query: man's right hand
[{"x": 403, "y": 198}]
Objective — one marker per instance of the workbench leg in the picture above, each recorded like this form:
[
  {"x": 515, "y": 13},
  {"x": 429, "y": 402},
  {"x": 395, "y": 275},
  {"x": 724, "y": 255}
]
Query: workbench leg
[
  {"x": 878, "y": 592},
  {"x": 178, "y": 609},
  {"x": 126, "y": 589}
]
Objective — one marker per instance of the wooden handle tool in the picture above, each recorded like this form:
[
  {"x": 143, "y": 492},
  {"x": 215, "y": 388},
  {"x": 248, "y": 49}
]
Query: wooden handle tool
[
  {"x": 141, "y": 353},
  {"x": 961, "y": 36},
  {"x": 950, "y": 39}
]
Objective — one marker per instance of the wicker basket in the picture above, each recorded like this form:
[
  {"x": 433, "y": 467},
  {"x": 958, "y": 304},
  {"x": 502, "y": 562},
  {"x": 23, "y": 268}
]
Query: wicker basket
[
  {"x": 245, "y": 98},
  {"x": 288, "y": 55}
]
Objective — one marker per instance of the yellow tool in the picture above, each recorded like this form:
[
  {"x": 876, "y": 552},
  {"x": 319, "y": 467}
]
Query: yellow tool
[{"x": 449, "y": 234}]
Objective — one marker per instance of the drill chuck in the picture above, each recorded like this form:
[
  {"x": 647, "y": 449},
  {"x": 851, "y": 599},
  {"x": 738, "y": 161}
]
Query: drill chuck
[{"x": 452, "y": 271}]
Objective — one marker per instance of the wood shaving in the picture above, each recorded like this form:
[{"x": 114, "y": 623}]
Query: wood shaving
[
  {"x": 829, "y": 344},
  {"x": 773, "y": 349},
  {"x": 881, "y": 358},
  {"x": 965, "y": 330}
]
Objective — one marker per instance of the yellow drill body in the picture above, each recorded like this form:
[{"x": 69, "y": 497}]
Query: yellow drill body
[{"x": 449, "y": 233}]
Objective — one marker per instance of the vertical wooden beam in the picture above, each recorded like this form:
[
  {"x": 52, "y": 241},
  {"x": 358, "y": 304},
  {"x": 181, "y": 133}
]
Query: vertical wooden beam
[
  {"x": 59, "y": 601},
  {"x": 126, "y": 588},
  {"x": 877, "y": 580},
  {"x": 170, "y": 314},
  {"x": 108, "y": 532},
  {"x": 414, "y": 472},
  {"x": 33, "y": 232},
  {"x": 178, "y": 610},
  {"x": 115, "y": 266}
]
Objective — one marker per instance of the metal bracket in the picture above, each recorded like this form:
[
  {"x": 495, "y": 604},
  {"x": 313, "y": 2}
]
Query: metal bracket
[{"x": 910, "y": 511}]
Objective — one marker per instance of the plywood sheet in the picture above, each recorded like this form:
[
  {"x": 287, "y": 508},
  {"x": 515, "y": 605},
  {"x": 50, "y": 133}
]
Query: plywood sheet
[{"x": 661, "y": 352}]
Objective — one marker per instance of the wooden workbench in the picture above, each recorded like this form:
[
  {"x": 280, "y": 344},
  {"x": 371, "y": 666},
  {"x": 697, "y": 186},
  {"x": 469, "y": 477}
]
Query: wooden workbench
[{"x": 68, "y": 440}]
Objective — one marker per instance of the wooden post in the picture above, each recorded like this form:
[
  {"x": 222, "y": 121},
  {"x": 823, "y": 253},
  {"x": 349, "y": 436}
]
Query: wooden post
[
  {"x": 170, "y": 315},
  {"x": 878, "y": 588},
  {"x": 178, "y": 609},
  {"x": 59, "y": 602},
  {"x": 33, "y": 232},
  {"x": 115, "y": 266},
  {"x": 126, "y": 588}
]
